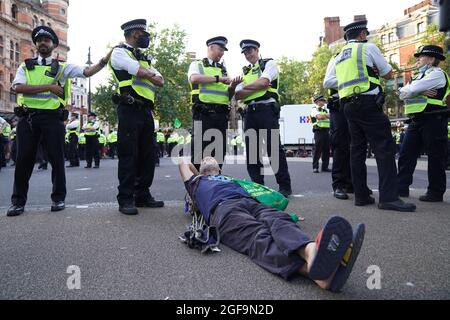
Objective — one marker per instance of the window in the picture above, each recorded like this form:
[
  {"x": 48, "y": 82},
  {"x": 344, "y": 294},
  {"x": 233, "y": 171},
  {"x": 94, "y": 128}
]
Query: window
[
  {"x": 1, "y": 6},
  {"x": 11, "y": 78},
  {"x": 17, "y": 52},
  {"x": 63, "y": 11},
  {"x": 1, "y": 76},
  {"x": 391, "y": 37},
  {"x": 14, "y": 11},
  {"x": 420, "y": 27},
  {"x": 394, "y": 58},
  {"x": 1, "y": 92},
  {"x": 1, "y": 46},
  {"x": 49, "y": 25},
  {"x": 383, "y": 39},
  {"x": 11, "y": 50},
  {"x": 35, "y": 22},
  {"x": 12, "y": 96}
]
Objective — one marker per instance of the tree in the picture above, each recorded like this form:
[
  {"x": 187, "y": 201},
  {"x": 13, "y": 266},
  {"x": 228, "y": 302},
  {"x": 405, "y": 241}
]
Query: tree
[
  {"x": 434, "y": 37},
  {"x": 170, "y": 59},
  {"x": 317, "y": 69},
  {"x": 294, "y": 81}
]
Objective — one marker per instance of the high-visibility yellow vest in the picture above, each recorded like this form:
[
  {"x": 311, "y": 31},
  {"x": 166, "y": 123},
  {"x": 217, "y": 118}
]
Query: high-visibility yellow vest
[
  {"x": 13, "y": 134},
  {"x": 160, "y": 138},
  {"x": 112, "y": 137},
  {"x": 142, "y": 87},
  {"x": 90, "y": 125},
  {"x": 82, "y": 138},
  {"x": 40, "y": 75},
  {"x": 6, "y": 131},
  {"x": 419, "y": 104},
  {"x": 352, "y": 73},
  {"x": 251, "y": 74},
  {"x": 102, "y": 139},
  {"x": 212, "y": 93},
  {"x": 76, "y": 130},
  {"x": 188, "y": 139},
  {"x": 324, "y": 123}
]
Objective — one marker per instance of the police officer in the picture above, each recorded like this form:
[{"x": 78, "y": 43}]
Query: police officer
[
  {"x": 340, "y": 141},
  {"x": 112, "y": 142},
  {"x": 356, "y": 70},
  {"x": 82, "y": 145},
  {"x": 448, "y": 145},
  {"x": 91, "y": 131},
  {"x": 13, "y": 140},
  {"x": 4, "y": 138},
  {"x": 211, "y": 93},
  {"x": 160, "y": 140},
  {"x": 425, "y": 103},
  {"x": 42, "y": 85},
  {"x": 259, "y": 91},
  {"x": 73, "y": 131},
  {"x": 137, "y": 82},
  {"x": 320, "y": 118}
]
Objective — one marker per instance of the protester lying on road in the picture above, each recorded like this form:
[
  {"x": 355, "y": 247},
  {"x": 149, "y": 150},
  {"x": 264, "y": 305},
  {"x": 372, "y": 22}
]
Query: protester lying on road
[{"x": 269, "y": 236}]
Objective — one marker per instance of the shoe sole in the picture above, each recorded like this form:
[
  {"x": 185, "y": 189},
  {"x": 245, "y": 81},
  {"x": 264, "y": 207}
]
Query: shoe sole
[
  {"x": 336, "y": 238},
  {"x": 389, "y": 208},
  {"x": 346, "y": 267}
]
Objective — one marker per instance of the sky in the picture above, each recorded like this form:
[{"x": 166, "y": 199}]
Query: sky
[{"x": 284, "y": 27}]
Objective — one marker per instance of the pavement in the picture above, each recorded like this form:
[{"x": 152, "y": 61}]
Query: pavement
[{"x": 121, "y": 257}]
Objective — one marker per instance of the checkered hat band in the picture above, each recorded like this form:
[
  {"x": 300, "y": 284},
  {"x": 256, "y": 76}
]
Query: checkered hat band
[
  {"x": 430, "y": 51},
  {"x": 42, "y": 32},
  {"x": 357, "y": 27},
  {"x": 135, "y": 26}
]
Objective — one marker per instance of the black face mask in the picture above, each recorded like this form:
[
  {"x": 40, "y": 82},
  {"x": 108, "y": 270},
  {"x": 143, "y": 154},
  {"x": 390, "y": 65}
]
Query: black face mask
[{"x": 143, "y": 41}]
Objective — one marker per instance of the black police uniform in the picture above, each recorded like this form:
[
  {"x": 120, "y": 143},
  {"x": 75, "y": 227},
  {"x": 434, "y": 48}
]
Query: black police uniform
[
  {"x": 340, "y": 144},
  {"x": 136, "y": 135},
  {"x": 265, "y": 116},
  {"x": 211, "y": 116}
]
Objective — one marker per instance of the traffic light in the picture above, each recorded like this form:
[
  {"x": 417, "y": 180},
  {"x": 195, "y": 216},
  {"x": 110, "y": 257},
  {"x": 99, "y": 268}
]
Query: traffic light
[{"x": 444, "y": 8}]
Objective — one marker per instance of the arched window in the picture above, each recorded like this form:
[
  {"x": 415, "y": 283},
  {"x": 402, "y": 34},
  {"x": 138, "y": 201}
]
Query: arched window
[
  {"x": 49, "y": 25},
  {"x": 1, "y": 76},
  {"x": 17, "y": 52},
  {"x": 14, "y": 11},
  {"x": 11, "y": 50},
  {"x": 11, "y": 78},
  {"x": 35, "y": 21},
  {"x": 1, "y": 46},
  {"x": 1, "y": 6},
  {"x": 42, "y": 22},
  {"x": 1, "y": 92}
]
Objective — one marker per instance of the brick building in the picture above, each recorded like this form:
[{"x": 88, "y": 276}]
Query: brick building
[
  {"x": 400, "y": 39},
  {"x": 17, "y": 19}
]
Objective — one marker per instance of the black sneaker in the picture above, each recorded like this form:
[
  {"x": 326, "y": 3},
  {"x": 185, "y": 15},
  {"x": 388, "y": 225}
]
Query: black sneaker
[
  {"x": 129, "y": 210},
  {"x": 58, "y": 206},
  {"x": 149, "y": 203},
  {"x": 286, "y": 192},
  {"x": 430, "y": 198},
  {"x": 364, "y": 202},
  {"x": 341, "y": 194},
  {"x": 398, "y": 205},
  {"x": 15, "y": 211}
]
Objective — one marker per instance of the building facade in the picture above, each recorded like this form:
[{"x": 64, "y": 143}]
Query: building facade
[
  {"x": 400, "y": 39},
  {"x": 17, "y": 20}
]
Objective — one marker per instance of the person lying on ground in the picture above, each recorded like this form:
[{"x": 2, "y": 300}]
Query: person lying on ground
[{"x": 268, "y": 236}]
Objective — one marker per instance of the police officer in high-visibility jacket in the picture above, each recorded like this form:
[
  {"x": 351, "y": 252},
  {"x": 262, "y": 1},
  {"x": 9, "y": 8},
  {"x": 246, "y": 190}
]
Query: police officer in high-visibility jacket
[
  {"x": 259, "y": 91},
  {"x": 73, "y": 131},
  {"x": 137, "y": 83},
  {"x": 4, "y": 128},
  {"x": 356, "y": 70},
  {"x": 112, "y": 142},
  {"x": 425, "y": 103},
  {"x": 320, "y": 118},
  {"x": 43, "y": 88},
  {"x": 211, "y": 92}
]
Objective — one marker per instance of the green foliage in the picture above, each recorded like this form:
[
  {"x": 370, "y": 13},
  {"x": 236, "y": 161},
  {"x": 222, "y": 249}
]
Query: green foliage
[
  {"x": 433, "y": 36},
  {"x": 294, "y": 82},
  {"x": 103, "y": 105},
  {"x": 317, "y": 69}
]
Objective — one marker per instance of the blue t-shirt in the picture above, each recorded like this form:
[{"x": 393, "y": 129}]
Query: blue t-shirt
[{"x": 211, "y": 191}]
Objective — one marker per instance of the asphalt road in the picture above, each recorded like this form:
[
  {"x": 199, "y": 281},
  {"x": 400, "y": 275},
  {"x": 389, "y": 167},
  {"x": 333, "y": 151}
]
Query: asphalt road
[{"x": 141, "y": 257}]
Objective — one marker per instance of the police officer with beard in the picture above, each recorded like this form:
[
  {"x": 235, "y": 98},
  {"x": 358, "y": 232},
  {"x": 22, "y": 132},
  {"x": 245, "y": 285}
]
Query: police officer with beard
[{"x": 42, "y": 85}]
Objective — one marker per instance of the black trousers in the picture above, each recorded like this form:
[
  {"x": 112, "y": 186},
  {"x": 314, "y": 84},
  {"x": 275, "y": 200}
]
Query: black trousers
[
  {"x": 322, "y": 148},
  {"x": 448, "y": 154},
  {"x": 136, "y": 151},
  {"x": 73, "y": 150},
  {"x": 14, "y": 151},
  {"x": 42, "y": 154},
  {"x": 82, "y": 151},
  {"x": 92, "y": 150},
  {"x": 262, "y": 122},
  {"x": 268, "y": 236},
  {"x": 209, "y": 145},
  {"x": 47, "y": 128},
  {"x": 112, "y": 152},
  {"x": 340, "y": 142},
  {"x": 368, "y": 123},
  {"x": 2, "y": 151},
  {"x": 429, "y": 132}
]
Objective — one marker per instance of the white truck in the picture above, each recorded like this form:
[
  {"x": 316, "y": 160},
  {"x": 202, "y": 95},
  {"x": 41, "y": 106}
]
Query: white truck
[{"x": 296, "y": 129}]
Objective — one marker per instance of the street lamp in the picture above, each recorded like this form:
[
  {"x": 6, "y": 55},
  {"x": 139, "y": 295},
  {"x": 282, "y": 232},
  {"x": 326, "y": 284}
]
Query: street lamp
[{"x": 89, "y": 63}]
